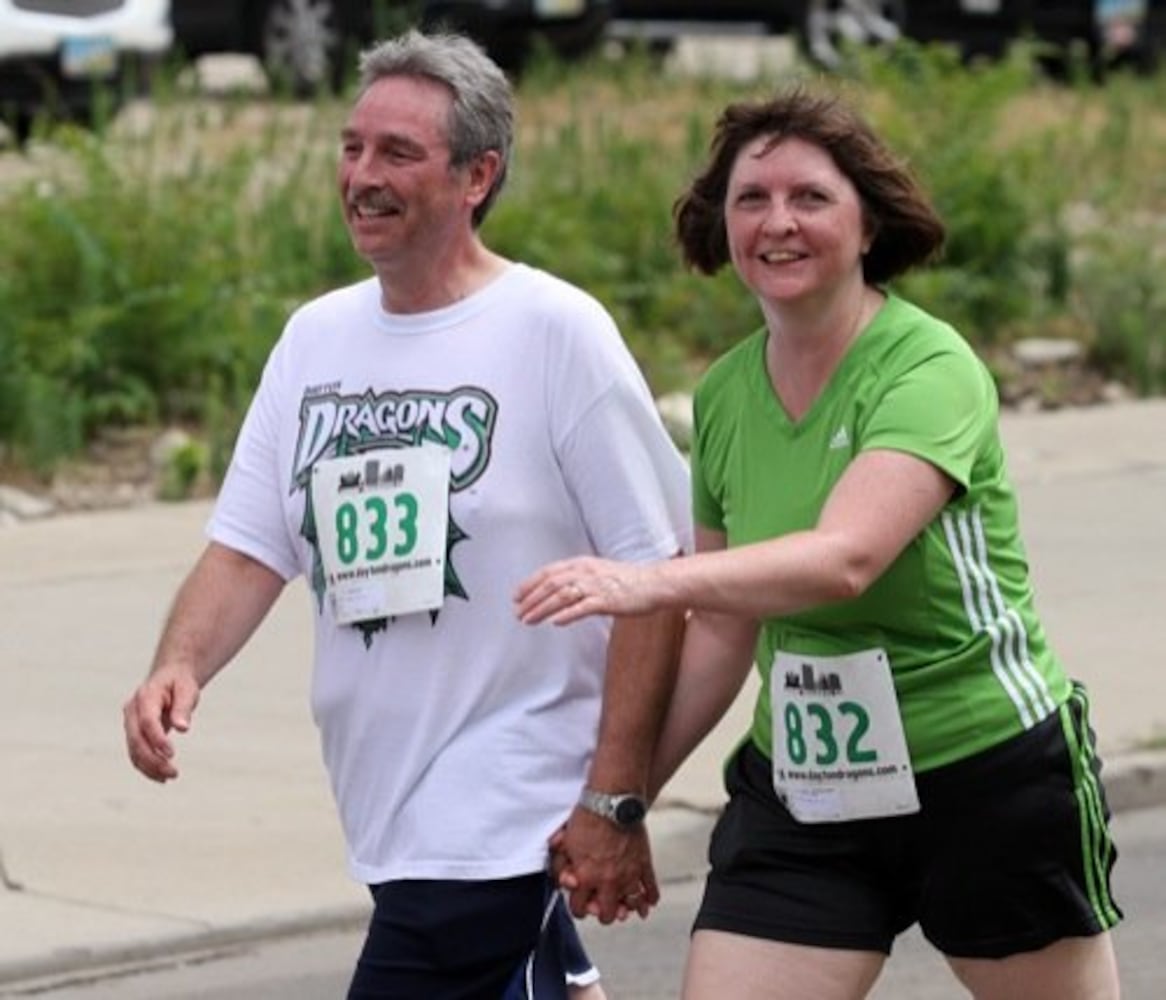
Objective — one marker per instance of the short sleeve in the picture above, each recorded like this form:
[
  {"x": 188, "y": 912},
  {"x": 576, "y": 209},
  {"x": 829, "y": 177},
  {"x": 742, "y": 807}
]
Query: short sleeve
[
  {"x": 706, "y": 507},
  {"x": 942, "y": 409},
  {"x": 248, "y": 512},
  {"x": 628, "y": 480}
]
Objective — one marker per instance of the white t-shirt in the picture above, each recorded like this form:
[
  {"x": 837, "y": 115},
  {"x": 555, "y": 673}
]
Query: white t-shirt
[{"x": 457, "y": 742}]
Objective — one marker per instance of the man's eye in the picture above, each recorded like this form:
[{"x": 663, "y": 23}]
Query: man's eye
[{"x": 399, "y": 154}]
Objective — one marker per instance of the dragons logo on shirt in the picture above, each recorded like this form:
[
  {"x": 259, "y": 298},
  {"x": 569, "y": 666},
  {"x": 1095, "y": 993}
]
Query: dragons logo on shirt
[{"x": 334, "y": 425}]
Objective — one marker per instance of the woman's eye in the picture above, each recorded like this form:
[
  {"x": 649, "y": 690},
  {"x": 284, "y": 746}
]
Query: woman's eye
[{"x": 813, "y": 197}]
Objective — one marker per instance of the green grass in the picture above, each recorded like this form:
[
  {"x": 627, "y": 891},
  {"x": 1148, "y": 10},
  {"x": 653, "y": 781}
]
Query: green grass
[{"x": 146, "y": 271}]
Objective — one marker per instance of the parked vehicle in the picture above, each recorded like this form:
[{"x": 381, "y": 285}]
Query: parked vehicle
[
  {"x": 307, "y": 45},
  {"x": 1111, "y": 30},
  {"x": 70, "y": 58}
]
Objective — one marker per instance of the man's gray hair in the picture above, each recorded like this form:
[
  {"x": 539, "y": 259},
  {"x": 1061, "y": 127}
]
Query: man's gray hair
[{"x": 482, "y": 114}]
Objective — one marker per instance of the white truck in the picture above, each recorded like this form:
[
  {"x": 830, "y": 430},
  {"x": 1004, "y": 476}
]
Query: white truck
[{"x": 75, "y": 58}]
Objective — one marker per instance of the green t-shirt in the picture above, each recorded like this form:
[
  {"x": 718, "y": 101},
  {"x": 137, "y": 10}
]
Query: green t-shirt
[{"x": 969, "y": 658}]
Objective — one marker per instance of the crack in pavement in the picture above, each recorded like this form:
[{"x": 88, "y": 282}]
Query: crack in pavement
[{"x": 6, "y": 880}]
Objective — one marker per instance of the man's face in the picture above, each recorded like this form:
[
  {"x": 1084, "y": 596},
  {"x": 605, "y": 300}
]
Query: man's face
[{"x": 402, "y": 200}]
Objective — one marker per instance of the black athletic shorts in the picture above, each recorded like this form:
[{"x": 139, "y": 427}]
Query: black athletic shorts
[
  {"x": 508, "y": 939},
  {"x": 1009, "y": 852}
]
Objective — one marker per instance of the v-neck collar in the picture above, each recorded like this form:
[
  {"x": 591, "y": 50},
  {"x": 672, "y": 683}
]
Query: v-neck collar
[{"x": 762, "y": 387}]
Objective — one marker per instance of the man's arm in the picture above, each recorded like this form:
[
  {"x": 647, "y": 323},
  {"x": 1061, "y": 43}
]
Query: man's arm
[
  {"x": 714, "y": 665},
  {"x": 607, "y": 863},
  {"x": 217, "y": 608}
]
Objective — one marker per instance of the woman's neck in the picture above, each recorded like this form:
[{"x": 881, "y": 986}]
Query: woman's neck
[{"x": 807, "y": 344}]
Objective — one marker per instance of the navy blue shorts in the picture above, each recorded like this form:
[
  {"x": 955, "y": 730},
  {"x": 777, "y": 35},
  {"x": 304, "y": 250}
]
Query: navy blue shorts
[
  {"x": 509, "y": 939},
  {"x": 1009, "y": 852}
]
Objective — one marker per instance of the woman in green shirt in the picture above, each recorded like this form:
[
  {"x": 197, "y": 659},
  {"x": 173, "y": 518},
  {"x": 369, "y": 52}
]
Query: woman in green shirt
[{"x": 918, "y": 753}]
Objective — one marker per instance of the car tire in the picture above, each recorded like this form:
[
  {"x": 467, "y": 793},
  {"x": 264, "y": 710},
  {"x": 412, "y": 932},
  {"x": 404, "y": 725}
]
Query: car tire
[
  {"x": 20, "y": 125},
  {"x": 300, "y": 44},
  {"x": 508, "y": 43},
  {"x": 826, "y": 28}
]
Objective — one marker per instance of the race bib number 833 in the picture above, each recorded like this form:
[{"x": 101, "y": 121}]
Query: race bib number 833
[{"x": 382, "y": 519}]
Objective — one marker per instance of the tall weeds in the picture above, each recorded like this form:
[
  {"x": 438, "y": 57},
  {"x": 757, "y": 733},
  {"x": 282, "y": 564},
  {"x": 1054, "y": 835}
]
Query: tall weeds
[{"x": 146, "y": 271}]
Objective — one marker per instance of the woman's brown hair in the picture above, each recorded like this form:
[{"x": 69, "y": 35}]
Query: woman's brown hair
[{"x": 906, "y": 229}]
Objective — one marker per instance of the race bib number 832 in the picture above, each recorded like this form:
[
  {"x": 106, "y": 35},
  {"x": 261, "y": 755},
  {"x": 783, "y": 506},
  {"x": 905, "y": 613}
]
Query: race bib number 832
[{"x": 839, "y": 750}]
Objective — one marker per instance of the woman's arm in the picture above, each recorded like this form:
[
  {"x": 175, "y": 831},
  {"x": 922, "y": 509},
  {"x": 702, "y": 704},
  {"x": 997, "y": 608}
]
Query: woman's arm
[{"x": 882, "y": 502}]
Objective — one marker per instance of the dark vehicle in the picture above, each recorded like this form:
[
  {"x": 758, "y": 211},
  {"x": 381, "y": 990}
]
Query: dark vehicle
[
  {"x": 1110, "y": 30},
  {"x": 308, "y": 44},
  {"x": 71, "y": 59}
]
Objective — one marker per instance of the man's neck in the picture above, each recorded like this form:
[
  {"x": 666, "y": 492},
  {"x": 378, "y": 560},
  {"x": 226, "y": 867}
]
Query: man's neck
[{"x": 438, "y": 284}]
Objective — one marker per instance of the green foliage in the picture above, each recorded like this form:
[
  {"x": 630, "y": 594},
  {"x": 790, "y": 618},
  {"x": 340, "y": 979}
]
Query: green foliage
[
  {"x": 146, "y": 271},
  {"x": 568, "y": 216},
  {"x": 985, "y": 280},
  {"x": 1121, "y": 296},
  {"x": 185, "y": 467},
  {"x": 145, "y": 280}
]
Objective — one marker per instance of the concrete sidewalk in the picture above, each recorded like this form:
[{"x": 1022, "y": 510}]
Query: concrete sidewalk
[{"x": 100, "y": 867}]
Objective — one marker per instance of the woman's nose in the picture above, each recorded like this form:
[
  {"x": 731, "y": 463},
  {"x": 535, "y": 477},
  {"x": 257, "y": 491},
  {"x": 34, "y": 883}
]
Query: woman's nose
[{"x": 780, "y": 220}]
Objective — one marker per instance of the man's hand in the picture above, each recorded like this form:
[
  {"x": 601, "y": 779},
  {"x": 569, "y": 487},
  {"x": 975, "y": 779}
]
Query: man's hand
[
  {"x": 164, "y": 702},
  {"x": 606, "y": 871},
  {"x": 219, "y": 605}
]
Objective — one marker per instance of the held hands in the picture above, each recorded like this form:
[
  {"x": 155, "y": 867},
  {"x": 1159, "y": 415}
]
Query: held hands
[
  {"x": 606, "y": 871},
  {"x": 565, "y": 591},
  {"x": 163, "y": 702}
]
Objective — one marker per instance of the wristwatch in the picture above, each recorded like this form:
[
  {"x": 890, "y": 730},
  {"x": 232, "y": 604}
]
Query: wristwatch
[{"x": 625, "y": 810}]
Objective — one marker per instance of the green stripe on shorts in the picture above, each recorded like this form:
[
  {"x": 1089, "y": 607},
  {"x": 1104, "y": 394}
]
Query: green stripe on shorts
[{"x": 1097, "y": 849}]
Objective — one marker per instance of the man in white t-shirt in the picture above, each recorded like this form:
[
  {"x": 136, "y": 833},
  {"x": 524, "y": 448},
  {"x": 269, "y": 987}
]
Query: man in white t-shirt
[{"x": 420, "y": 442}]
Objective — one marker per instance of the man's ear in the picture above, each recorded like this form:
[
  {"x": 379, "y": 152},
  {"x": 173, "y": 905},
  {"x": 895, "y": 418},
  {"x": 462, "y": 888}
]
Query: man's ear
[{"x": 483, "y": 172}]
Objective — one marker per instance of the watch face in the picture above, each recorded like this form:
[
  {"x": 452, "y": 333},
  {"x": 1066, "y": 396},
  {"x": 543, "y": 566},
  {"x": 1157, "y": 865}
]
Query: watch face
[{"x": 629, "y": 811}]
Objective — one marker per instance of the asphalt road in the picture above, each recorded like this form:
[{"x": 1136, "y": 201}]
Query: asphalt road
[{"x": 640, "y": 960}]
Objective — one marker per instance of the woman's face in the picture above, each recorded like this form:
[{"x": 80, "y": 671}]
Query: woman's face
[{"x": 794, "y": 222}]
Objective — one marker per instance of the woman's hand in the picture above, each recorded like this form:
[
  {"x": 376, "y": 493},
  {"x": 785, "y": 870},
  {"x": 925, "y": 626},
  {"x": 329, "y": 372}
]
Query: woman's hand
[{"x": 565, "y": 591}]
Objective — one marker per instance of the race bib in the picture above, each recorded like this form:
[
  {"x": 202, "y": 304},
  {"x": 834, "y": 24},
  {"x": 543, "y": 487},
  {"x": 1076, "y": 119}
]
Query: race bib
[
  {"x": 839, "y": 751},
  {"x": 381, "y": 518}
]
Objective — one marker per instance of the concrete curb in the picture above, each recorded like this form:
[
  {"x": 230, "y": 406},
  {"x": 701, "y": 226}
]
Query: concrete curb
[
  {"x": 84, "y": 963},
  {"x": 1135, "y": 780},
  {"x": 680, "y": 833}
]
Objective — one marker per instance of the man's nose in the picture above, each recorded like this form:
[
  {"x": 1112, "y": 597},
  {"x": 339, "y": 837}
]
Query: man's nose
[{"x": 364, "y": 170}]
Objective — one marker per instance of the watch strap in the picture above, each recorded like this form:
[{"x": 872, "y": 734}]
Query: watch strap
[{"x": 624, "y": 809}]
